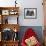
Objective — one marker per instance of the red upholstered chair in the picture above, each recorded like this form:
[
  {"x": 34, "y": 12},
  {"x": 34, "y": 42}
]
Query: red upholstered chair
[{"x": 29, "y": 33}]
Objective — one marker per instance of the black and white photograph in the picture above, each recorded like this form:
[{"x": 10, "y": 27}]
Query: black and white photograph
[{"x": 30, "y": 13}]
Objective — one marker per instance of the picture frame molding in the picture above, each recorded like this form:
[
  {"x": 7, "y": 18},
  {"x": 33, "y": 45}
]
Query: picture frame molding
[{"x": 30, "y": 17}]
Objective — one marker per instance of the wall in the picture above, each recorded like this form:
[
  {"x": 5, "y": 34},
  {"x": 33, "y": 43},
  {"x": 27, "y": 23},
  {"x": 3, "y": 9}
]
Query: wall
[
  {"x": 27, "y": 4},
  {"x": 37, "y": 29},
  {"x": 32, "y": 4},
  {"x": 28, "y": 22}
]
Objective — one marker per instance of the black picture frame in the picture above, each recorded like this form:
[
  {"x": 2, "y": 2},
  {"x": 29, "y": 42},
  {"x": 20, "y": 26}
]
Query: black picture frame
[{"x": 30, "y": 13}]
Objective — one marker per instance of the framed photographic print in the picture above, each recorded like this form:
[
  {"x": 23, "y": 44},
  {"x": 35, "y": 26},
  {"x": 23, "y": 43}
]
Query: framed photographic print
[
  {"x": 5, "y": 12},
  {"x": 30, "y": 13}
]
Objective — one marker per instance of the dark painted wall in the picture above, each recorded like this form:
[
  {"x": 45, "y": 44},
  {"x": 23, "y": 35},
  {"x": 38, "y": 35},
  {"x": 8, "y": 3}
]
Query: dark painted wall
[{"x": 37, "y": 29}]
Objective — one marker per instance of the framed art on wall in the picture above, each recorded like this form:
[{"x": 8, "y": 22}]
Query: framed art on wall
[
  {"x": 5, "y": 12},
  {"x": 30, "y": 13}
]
